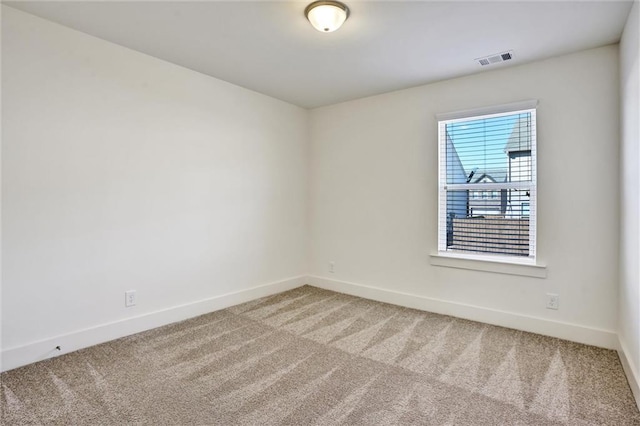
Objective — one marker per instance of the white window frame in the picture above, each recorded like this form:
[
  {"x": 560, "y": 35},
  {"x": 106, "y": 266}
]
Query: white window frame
[{"x": 443, "y": 187}]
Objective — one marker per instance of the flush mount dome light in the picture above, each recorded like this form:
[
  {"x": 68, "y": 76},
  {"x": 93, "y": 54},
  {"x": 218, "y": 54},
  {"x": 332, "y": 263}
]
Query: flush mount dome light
[{"x": 326, "y": 16}]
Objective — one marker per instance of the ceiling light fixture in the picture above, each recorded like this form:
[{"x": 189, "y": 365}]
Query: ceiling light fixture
[{"x": 326, "y": 16}]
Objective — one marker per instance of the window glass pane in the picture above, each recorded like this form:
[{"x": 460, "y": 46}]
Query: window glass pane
[
  {"x": 487, "y": 181},
  {"x": 490, "y": 225},
  {"x": 489, "y": 150}
]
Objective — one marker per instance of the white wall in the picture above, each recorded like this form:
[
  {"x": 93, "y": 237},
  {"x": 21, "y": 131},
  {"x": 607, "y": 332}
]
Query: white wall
[
  {"x": 629, "y": 298},
  {"x": 121, "y": 171},
  {"x": 374, "y": 198}
]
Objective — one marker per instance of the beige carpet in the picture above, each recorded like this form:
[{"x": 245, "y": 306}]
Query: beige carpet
[{"x": 310, "y": 356}]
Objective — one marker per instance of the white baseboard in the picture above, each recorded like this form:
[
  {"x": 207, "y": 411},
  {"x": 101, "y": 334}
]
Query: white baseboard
[
  {"x": 630, "y": 371},
  {"x": 16, "y": 357},
  {"x": 575, "y": 333}
]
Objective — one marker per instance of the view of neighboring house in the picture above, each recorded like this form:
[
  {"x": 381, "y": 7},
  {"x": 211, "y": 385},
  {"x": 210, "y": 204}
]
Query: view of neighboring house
[
  {"x": 457, "y": 201},
  {"x": 492, "y": 202},
  {"x": 518, "y": 149}
]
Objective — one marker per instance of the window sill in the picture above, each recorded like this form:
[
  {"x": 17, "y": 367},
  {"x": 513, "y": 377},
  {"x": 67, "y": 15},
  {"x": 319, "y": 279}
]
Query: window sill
[{"x": 488, "y": 264}]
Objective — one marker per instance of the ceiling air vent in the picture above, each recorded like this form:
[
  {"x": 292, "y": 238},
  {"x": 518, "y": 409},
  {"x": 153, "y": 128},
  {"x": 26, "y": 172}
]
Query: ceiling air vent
[{"x": 494, "y": 59}]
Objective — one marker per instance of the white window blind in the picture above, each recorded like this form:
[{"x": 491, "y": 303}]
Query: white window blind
[{"x": 487, "y": 184}]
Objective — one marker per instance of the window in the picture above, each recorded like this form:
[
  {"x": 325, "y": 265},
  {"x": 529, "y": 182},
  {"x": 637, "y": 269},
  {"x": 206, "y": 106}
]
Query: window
[{"x": 487, "y": 183}]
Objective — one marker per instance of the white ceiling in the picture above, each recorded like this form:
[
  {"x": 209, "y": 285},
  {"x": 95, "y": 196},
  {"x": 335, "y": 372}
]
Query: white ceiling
[{"x": 270, "y": 47}]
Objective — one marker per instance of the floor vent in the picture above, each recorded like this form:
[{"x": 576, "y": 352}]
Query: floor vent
[{"x": 494, "y": 59}]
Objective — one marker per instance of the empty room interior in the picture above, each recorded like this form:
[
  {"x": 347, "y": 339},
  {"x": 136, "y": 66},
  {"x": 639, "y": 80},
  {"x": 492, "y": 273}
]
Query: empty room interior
[{"x": 300, "y": 212}]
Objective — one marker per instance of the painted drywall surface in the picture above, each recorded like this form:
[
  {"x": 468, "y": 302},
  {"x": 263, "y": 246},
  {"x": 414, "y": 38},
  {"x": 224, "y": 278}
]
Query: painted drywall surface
[
  {"x": 629, "y": 298},
  {"x": 121, "y": 171},
  {"x": 374, "y": 189}
]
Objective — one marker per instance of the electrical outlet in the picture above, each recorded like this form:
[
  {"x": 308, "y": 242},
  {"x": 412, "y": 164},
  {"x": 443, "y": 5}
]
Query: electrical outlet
[
  {"x": 332, "y": 266},
  {"x": 130, "y": 298},
  {"x": 553, "y": 301}
]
